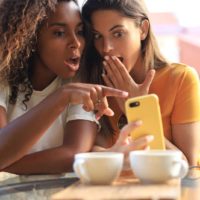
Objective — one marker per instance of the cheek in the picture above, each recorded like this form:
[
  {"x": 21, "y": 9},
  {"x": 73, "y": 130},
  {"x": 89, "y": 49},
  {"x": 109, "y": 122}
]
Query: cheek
[
  {"x": 82, "y": 45},
  {"x": 46, "y": 48},
  {"x": 131, "y": 53},
  {"x": 99, "y": 47},
  {"x": 55, "y": 48},
  {"x": 51, "y": 55}
]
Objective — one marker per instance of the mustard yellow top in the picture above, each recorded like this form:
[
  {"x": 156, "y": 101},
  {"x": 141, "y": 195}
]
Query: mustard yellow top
[{"x": 178, "y": 89}]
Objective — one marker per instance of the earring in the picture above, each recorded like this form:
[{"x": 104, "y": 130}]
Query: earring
[{"x": 33, "y": 44}]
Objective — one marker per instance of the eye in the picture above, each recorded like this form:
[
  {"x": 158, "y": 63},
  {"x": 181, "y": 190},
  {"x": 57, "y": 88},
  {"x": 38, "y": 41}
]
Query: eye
[
  {"x": 80, "y": 32},
  {"x": 96, "y": 36},
  {"x": 118, "y": 34},
  {"x": 59, "y": 33}
]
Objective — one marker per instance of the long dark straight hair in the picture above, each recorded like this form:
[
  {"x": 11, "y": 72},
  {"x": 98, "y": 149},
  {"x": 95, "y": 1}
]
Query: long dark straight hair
[{"x": 135, "y": 9}]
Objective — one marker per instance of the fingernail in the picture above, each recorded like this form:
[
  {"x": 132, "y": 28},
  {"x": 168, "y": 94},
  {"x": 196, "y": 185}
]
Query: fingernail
[
  {"x": 150, "y": 138},
  {"x": 138, "y": 122},
  {"x": 113, "y": 57},
  {"x": 106, "y": 58},
  {"x": 125, "y": 94},
  {"x": 98, "y": 117},
  {"x": 104, "y": 63},
  {"x": 112, "y": 113},
  {"x": 147, "y": 148},
  {"x": 103, "y": 71}
]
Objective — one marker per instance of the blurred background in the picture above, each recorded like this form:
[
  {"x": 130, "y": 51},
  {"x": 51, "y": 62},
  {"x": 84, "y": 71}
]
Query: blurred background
[{"x": 176, "y": 24}]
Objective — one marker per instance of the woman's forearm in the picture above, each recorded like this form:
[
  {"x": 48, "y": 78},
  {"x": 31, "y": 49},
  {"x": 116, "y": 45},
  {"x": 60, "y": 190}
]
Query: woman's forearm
[
  {"x": 53, "y": 161},
  {"x": 186, "y": 137},
  {"x": 27, "y": 129}
]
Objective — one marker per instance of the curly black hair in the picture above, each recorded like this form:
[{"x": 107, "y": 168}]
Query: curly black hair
[{"x": 20, "y": 21}]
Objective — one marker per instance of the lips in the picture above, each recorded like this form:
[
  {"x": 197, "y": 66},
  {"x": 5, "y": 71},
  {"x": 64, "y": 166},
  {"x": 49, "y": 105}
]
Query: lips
[{"x": 72, "y": 62}]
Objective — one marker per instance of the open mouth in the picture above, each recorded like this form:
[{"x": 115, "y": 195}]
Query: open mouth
[{"x": 73, "y": 62}]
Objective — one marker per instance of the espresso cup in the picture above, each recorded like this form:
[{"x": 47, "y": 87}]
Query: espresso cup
[
  {"x": 156, "y": 166},
  {"x": 98, "y": 167}
]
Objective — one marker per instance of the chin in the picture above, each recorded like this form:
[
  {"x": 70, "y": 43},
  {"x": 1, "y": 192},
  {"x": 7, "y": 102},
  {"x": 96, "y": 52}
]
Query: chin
[{"x": 70, "y": 75}]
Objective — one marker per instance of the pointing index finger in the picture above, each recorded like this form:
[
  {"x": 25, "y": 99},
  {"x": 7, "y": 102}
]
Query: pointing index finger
[{"x": 107, "y": 91}]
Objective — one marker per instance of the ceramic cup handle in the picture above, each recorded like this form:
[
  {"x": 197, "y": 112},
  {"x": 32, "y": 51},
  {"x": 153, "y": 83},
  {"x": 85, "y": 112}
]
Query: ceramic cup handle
[
  {"x": 183, "y": 170},
  {"x": 79, "y": 168}
]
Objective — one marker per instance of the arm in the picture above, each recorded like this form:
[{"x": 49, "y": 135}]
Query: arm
[
  {"x": 185, "y": 118},
  {"x": 79, "y": 137},
  {"x": 186, "y": 137},
  {"x": 17, "y": 137}
]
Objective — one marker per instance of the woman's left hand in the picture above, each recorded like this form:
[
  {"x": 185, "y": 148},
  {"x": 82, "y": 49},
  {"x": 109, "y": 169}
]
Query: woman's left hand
[
  {"x": 117, "y": 76},
  {"x": 125, "y": 143}
]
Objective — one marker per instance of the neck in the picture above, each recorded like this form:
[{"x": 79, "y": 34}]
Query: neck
[{"x": 41, "y": 76}]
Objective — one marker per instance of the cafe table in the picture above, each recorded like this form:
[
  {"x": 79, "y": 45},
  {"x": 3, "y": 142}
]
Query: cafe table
[
  {"x": 33, "y": 187},
  {"x": 67, "y": 186}
]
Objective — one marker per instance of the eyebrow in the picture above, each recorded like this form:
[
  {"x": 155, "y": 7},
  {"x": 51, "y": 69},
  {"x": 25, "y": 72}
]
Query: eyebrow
[
  {"x": 63, "y": 24},
  {"x": 57, "y": 24},
  {"x": 111, "y": 29},
  {"x": 116, "y": 26}
]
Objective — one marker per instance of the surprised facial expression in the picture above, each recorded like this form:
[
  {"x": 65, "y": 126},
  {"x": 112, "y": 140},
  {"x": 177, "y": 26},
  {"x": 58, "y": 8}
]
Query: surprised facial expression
[
  {"x": 116, "y": 35},
  {"x": 60, "y": 41}
]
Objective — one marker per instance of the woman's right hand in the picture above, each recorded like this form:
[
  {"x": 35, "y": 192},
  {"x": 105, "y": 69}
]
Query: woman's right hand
[
  {"x": 93, "y": 97},
  {"x": 117, "y": 76}
]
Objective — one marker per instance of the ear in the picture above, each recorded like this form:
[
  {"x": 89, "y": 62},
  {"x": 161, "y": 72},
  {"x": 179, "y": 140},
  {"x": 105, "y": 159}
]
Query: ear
[{"x": 144, "y": 29}]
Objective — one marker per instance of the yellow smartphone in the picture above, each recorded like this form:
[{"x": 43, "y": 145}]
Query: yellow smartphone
[{"x": 147, "y": 109}]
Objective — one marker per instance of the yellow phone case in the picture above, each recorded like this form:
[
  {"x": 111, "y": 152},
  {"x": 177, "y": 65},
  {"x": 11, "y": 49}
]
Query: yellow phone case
[{"x": 147, "y": 109}]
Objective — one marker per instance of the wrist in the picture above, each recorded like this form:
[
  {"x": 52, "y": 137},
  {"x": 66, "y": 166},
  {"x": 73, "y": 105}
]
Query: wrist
[{"x": 62, "y": 97}]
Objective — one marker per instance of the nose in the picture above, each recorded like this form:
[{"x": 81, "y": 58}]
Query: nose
[
  {"x": 107, "y": 46},
  {"x": 74, "y": 42}
]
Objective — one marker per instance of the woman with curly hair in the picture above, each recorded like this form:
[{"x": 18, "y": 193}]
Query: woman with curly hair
[
  {"x": 45, "y": 118},
  {"x": 40, "y": 48},
  {"x": 126, "y": 56}
]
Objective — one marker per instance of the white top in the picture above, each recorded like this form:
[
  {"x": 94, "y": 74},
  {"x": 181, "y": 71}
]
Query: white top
[{"x": 53, "y": 137}]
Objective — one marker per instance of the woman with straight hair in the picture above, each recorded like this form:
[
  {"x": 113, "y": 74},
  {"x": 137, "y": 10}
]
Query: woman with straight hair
[{"x": 125, "y": 55}]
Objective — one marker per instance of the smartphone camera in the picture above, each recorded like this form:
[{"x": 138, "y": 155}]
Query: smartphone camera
[{"x": 134, "y": 104}]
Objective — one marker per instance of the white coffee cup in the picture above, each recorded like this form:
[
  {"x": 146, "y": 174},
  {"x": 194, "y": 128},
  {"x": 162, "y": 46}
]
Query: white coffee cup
[
  {"x": 98, "y": 167},
  {"x": 157, "y": 166}
]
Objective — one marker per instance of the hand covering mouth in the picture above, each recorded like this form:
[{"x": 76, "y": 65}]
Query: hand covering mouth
[
  {"x": 120, "y": 58},
  {"x": 72, "y": 63}
]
